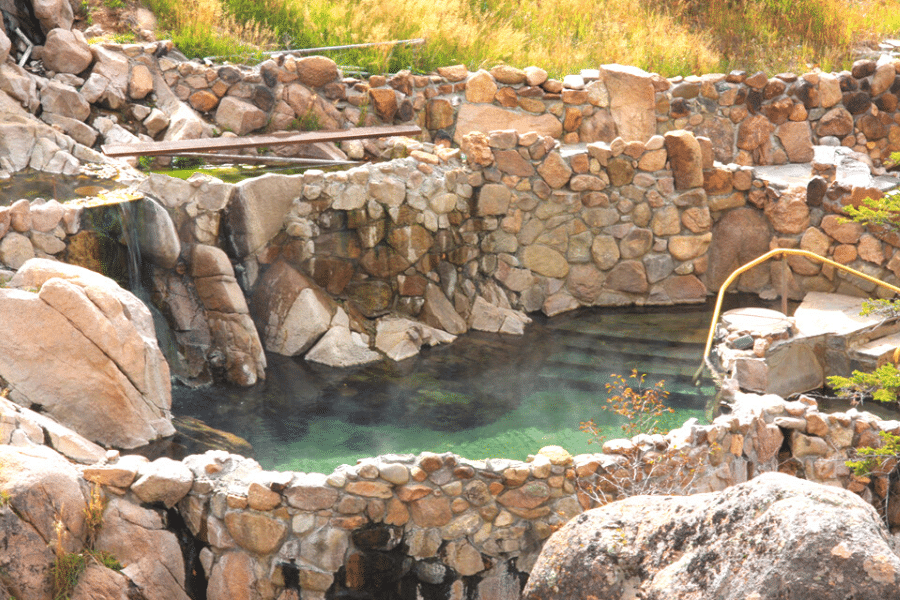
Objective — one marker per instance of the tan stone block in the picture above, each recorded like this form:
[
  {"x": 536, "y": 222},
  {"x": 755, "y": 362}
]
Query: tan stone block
[
  {"x": 260, "y": 497},
  {"x": 845, "y": 254},
  {"x": 431, "y": 511},
  {"x": 481, "y": 87}
]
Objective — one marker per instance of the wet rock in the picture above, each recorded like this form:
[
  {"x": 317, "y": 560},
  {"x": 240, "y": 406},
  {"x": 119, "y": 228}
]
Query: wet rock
[
  {"x": 402, "y": 338},
  {"x": 439, "y": 312},
  {"x": 292, "y": 311}
]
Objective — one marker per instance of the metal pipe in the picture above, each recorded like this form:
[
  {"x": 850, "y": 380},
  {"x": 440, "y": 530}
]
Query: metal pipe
[
  {"x": 290, "y": 160},
  {"x": 410, "y": 42},
  {"x": 774, "y": 254}
]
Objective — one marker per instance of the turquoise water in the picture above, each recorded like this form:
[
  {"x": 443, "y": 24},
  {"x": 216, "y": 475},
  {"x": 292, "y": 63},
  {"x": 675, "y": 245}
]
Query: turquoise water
[{"x": 485, "y": 395}]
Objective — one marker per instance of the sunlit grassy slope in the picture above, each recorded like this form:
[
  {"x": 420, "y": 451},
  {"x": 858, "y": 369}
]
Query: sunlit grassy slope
[{"x": 563, "y": 36}]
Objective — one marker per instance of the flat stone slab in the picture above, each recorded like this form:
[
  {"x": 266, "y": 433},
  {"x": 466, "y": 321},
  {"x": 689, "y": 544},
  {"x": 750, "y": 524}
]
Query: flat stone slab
[
  {"x": 761, "y": 321},
  {"x": 849, "y": 170},
  {"x": 785, "y": 175},
  {"x": 833, "y": 314}
]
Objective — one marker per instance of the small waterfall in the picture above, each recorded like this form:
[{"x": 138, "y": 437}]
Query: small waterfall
[{"x": 129, "y": 223}]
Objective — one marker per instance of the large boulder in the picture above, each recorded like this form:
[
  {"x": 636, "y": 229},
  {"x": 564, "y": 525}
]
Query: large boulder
[
  {"x": 632, "y": 101},
  {"x": 292, "y": 312},
  {"x": 256, "y": 211},
  {"x": 84, "y": 350},
  {"x": 775, "y": 536},
  {"x": 66, "y": 51}
]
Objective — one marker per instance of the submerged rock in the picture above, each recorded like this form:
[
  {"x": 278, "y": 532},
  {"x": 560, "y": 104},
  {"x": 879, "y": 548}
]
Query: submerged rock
[{"x": 773, "y": 537}]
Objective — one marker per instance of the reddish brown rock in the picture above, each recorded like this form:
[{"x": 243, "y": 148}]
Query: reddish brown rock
[
  {"x": 632, "y": 101},
  {"x": 511, "y": 162},
  {"x": 789, "y": 214},
  {"x": 686, "y": 159},
  {"x": 481, "y": 88},
  {"x": 628, "y": 276},
  {"x": 530, "y": 495},
  {"x": 385, "y": 102},
  {"x": 508, "y": 75},
  {"x": 797, "y": 141},
  {"x": 845, "y": 232},
  {"x": 555, "y": 171},
  {"x": 718, "y": 181},
  {"x": 754, "y": 132},
  {"x": 203, "y": 100},
  {"x": 838, "y": 121},
  {"x": 685, "y": 288},
  {"x": 316, "y": 71},
  {"x": 439, "y": 113},
  {"x": 431, "y": 511},
  {"x": 454, "y": 72}
]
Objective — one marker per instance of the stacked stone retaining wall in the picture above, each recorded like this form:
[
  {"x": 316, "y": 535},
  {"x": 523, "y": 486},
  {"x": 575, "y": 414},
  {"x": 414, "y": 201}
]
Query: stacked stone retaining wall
[{"x": 443, "y": 526}]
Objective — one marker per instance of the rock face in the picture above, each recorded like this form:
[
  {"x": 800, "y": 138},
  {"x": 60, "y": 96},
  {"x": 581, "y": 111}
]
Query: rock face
[
  {"x": 231, "y": 329},
  {"x": 773, "y": 537},
  {"x": 85, "y": 351}
]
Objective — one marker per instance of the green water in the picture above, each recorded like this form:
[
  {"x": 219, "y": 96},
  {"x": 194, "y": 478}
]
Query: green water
[
  {"x": 29, "y": 185},
  {"x": 485, "y": 395}
]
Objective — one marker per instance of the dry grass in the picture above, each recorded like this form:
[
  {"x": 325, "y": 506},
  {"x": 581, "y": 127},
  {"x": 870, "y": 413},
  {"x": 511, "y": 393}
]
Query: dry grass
[{"x": 666, "y": 36}]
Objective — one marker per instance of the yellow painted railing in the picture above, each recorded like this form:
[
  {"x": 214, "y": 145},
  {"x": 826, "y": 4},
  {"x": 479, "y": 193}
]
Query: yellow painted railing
[{"x": 777, "y": 252}]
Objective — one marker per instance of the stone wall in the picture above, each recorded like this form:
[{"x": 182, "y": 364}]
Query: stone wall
[
  {"x": 522, "y": 225},
  {"x": 751, "y": 118},
  {"x": 442, "y": 526}
]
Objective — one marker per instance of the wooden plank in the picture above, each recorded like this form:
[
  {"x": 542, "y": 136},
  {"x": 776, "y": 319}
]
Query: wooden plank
[{"x": 274, "y": 139}]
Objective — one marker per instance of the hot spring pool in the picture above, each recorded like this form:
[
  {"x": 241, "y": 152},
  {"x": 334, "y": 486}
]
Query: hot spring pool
[{"x": 485, "y": 395}]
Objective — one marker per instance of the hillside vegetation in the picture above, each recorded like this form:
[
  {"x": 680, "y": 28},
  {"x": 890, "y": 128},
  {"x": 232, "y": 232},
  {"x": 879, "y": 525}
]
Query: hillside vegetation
[{"x": 671, "y": 37}]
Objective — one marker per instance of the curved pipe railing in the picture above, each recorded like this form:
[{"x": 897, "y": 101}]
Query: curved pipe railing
[{"x": 777, "y": 252}]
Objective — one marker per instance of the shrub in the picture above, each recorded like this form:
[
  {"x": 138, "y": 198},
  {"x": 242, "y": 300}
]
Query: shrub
[
  {"x": 643, "y": 407},
  {"x": 881, "y": 385}
]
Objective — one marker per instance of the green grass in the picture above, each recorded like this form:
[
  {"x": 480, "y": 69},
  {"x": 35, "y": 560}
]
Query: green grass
[{"x": 670, "y": 37}]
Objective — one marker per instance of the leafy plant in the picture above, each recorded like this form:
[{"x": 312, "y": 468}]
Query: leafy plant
[
  {"x": 308, "y": 122},
  {"x": 877, "y": 461},
  {"x": 643, "y": 407},
  {"x": 881, "y": 385},
  {"x": 4, "y": 498},
  {"x": 65, "y": 573}
]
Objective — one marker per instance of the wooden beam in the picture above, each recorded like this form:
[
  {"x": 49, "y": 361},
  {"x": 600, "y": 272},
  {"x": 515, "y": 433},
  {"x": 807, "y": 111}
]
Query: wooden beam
[{"x": 274, "y": 139}]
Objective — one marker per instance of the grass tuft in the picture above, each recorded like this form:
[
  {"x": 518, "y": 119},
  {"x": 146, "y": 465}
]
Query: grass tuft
[{"x": 671, "y": 37}]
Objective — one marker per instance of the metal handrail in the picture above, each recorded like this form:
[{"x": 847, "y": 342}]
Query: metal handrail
[{"x": 777, "y": 252}]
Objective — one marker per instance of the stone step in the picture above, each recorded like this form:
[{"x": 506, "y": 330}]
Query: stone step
[{"x": 878, "y": 351}]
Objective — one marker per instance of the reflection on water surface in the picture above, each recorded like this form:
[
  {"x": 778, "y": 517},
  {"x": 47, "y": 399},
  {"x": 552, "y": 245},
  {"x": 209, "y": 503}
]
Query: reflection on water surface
[{"x": 485, "y": 395}]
